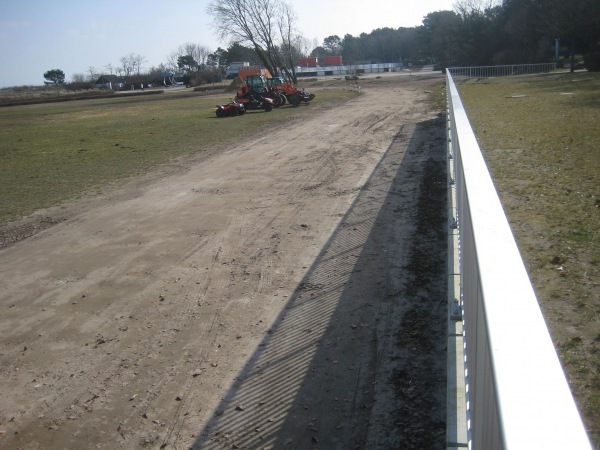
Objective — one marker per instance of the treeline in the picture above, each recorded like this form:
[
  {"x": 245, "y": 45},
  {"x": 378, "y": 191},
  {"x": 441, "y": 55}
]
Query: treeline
[
  {"x": 192, "y": 64},
  {"x": 514, "y": 32},
  {"x": 477, "y": 32}
]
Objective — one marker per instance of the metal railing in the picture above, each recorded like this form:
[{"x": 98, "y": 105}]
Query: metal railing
[
  {"x": 502, "y": 71},
  {"x": 516, "y": 391}
]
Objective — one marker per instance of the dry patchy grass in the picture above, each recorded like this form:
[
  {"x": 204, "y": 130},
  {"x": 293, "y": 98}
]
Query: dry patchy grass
[
  {"x": 541, "y": 139},
  {"x": 54, "y": 152}
]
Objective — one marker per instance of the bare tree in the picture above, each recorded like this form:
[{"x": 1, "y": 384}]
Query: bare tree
[
  {"x": 132, "y": 64},
  {"x": 305, "y": 45},
  {"x": 127, "y": 64},
  {"x": 93, "y": 74},
  {"x": 465, "y": 7},
  {"x": 110, "y": 68},
  {"x": 172, "y": 58},
  {"x": 78, "y": 78},
  {"x": 203, "y": 53},
  {"x": 290, "y": 41},
  {"x": 138, "y": 61},
  {"x": 315, "y": 43},
  {"x": 266, "y": 25},
  {"x": 198, "y": 52}
]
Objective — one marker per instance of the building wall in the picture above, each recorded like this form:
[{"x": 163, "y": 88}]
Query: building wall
[
  {"x": 331, "y": 61},
  {"x": 347, "y": 70},
  {"x": 308, "y": 62}
]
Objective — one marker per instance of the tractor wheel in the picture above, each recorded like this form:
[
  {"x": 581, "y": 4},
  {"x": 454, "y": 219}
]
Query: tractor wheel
[
  {"x": 241, "y": 110},
  {"x": 277, "y": 102},
  {"x": 220, "y": 112},
  {"x": 284, "y": 100},
  {"x": 268, "y": 107},
  {"x": 233, "y": 112}
]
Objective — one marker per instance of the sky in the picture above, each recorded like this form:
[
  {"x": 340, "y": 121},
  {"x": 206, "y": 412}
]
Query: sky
[{"x": 74, "y": 35}]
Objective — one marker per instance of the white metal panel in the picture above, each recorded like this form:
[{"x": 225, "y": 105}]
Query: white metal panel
[{"x": 517, "y": 390}]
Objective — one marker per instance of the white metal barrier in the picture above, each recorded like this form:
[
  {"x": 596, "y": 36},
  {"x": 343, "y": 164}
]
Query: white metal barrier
[
  {"x": 502, "y": 71},
  {"x": 516, "y": 391}
]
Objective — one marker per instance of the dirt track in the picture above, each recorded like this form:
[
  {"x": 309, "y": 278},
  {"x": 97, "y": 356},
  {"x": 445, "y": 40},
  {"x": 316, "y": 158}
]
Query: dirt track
[{"x": 285, "y": 293}]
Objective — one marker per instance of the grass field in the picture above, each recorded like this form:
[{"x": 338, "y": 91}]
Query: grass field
[
  {"x": 541, "y": 139},
  {"x": 58, "y": 151}
]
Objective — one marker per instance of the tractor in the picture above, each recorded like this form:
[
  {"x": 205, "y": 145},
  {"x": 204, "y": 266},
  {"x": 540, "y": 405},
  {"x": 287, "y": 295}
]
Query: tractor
[
  {"x": 278, "y": 85},
  {"x": 276, "y": 81},
  {"x": 253, "y": 94}
]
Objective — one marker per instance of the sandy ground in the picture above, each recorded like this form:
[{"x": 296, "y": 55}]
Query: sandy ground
[{"x": 285, "y": 293}]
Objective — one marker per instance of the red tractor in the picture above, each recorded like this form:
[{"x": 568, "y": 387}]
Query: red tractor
[
  {"x": 253, "y": 94},
  {"x": 279, "y": 86}
]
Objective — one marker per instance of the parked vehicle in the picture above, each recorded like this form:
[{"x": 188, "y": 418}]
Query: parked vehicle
[
  {"x": 230, "y": 109},
  {"x": 276, "y": 94},
  {"x": 279, "y": 86},
  {"x": 253, "y": 94}
]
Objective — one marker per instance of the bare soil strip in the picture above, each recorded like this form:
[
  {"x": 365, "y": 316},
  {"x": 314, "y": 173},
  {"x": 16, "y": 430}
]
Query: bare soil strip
[{"x": 288, "y": 292}]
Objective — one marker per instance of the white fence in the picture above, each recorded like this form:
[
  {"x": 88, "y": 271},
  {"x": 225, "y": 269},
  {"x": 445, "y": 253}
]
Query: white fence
[
  {"x": 502, "y": 71},
  {"x": 349, "y": 69},
  {"x": 516, "y": 391}
]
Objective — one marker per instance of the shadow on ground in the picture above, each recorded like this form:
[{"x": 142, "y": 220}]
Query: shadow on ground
[{"x": 357, "y": 359}]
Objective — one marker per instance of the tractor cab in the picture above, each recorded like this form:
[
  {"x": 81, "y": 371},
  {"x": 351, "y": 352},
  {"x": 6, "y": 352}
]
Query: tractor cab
[
  {"x": 275, "y": 81},
  {"x": 253, "y": 93},
  {"x": 256, "y": 83}
]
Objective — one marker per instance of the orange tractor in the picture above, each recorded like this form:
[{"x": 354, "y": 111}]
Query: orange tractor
[
  {"x": 276, "y": 89},
  {"x": 279, "y": 86},
  {"x": 253, "y": 94}
]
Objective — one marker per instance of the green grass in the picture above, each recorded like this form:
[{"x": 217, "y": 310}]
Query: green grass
[
  {"x": 541, "y": 140},
  {"x": 54, "y": 152}
]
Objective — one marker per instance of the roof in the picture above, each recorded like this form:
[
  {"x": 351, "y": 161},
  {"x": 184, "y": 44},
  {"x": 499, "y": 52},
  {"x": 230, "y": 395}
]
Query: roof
[{"x": 109, "y": 79}]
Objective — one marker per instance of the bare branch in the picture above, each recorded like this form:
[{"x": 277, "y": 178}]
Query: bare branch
[{"x": 267, "y": 25}]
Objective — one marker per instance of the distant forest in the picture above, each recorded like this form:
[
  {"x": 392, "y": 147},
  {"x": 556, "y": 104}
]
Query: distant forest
[{"x": 514, "y": 32}]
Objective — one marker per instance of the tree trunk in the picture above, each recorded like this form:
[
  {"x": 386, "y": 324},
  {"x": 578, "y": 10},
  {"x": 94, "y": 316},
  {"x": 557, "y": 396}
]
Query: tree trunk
[
  {"x": 290, "y": 71},
  {"x": 290, "y": 75},
  {"x": 266, "y": 60}
]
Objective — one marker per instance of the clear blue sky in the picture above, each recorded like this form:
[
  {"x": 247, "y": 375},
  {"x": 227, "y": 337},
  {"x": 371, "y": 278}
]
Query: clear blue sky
[{"x": 74, "y": 35}]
